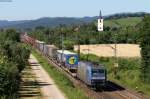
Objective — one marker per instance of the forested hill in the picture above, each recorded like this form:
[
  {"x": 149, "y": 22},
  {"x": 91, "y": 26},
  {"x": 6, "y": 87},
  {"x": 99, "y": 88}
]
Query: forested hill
[
  {"x": 125, "y": 15},
  {"x": 52, "y": 22}
]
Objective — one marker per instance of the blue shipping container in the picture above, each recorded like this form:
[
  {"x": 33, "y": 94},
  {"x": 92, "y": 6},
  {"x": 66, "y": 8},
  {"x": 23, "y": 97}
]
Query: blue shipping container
[{"x": 69, "y": 59}]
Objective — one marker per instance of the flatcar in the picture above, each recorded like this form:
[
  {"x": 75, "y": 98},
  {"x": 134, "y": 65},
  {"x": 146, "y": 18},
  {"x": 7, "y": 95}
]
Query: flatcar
[{"x": 92, "y": 75}]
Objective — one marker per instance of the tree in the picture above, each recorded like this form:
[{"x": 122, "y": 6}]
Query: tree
[
  {"x": 145, "y": 49},
  {"x": 13, "y": 59},
  {"x": 68, "y": 44},
  {"x": 11, "y": 34}
]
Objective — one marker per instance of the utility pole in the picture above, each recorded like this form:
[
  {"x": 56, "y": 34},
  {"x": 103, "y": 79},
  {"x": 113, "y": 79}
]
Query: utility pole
[
  {"x": 62, "y": 42},
  {"x": 78, "y": 41},
  {"x": 88, "y": 53},
  {"x": 49, "y": 37},
  {"x": 115, "y": 50},
  {"x": 115, "y": 55},
  {"x": 87, "y": 50}
]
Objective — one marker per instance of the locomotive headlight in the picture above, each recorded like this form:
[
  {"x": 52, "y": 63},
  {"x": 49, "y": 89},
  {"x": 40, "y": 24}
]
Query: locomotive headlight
[{"x": 92, "y": 80}]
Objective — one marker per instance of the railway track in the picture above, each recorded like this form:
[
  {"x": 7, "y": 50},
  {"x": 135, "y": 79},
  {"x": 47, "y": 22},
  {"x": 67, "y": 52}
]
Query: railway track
[
  {"x": 123, "y": 93},
  {"x": 111, "y": 91}
]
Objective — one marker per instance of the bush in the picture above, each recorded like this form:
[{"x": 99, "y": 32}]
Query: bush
[
  {"x": 9, "y": 78},
  {"x": 68, "y": 44},
  {"x": 13, "y": 59}
]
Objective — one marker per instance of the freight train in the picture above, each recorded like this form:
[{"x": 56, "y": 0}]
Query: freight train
[{"x": 91, "y": 74}]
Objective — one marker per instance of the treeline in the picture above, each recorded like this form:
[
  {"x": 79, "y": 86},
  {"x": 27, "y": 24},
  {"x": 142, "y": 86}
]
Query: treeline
[
  {"x": 145, "y": 46},
  {"x": 125, "y": 15},
  {"x": 86, "y": 34},
  {"x": 13, "y": 59}
]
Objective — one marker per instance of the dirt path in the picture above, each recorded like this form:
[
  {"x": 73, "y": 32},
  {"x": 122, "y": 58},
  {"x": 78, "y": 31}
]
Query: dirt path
[{"x": 48, "y": 88}]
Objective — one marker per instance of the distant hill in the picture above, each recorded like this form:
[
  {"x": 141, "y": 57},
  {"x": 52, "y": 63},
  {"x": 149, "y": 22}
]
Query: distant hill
[
  {"x": 5, "y": 23},
  {"x": 125, "y": 15},
  {"x": 110, "y": 20},
  {"x": 46, "y": 22}
]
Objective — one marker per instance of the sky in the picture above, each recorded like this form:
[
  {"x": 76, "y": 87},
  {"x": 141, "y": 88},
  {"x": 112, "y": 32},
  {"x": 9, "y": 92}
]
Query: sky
[{"x": 34, "y": 9}]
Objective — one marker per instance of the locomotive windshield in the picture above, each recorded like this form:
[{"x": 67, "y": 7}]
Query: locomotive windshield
[{"x": 98, "y": 72}]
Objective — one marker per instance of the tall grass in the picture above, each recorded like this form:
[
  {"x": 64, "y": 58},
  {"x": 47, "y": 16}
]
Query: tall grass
[{"x": 127, "y": 74}]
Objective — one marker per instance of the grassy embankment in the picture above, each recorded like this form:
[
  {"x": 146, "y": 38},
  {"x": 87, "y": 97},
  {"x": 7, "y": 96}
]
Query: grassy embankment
[
  {"x": 60, "y": 79},
  {"x": 128, "y": 72}
]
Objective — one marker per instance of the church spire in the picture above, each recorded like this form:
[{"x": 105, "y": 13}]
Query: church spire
[
  {"x": 100, "y": 22},
  {"x": 100, "y": 15}
]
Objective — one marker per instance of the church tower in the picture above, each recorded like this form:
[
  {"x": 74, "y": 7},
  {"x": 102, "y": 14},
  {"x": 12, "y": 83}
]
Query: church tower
[{"x": 100, "y": 22}]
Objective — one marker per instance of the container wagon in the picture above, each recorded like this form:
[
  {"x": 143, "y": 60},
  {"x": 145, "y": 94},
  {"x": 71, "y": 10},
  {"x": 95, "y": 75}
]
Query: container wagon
[
  {"x": 40, "y": 45},
  {"x": 92, "y": 75},
  {"x": 50, "y": 50},
  {"x": 69, "y": 59},
  {"x": 37, "y": 44}
]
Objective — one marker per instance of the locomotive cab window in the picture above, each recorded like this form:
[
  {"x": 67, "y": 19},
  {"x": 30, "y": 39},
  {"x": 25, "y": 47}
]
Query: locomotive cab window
[{"x": 97, "y": 72}]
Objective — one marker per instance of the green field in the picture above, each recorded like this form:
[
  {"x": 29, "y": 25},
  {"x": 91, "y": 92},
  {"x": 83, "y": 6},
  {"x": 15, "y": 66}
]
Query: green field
[{"x": 123, "y": 22}]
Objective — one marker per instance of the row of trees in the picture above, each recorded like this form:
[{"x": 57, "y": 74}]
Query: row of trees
[
  {"x": 87, "y": 34},
  {"x": 13, "y": 59},
  {"x": 145, "y": 52}
]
